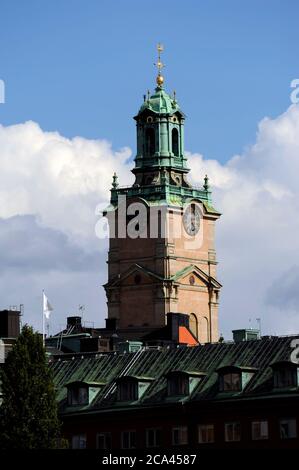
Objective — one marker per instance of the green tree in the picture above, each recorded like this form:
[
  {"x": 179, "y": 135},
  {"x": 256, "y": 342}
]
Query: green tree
[{"x": 28, "y": 414}]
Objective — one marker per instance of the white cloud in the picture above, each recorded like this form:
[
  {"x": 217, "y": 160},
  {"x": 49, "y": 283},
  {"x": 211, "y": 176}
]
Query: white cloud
[
  {"x": 258, "y": 234},
  {"x": 60, "y": 181}
]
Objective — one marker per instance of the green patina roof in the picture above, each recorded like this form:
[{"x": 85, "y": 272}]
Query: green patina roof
[
  {"x": 161, "y": 103},
  {"x": 164, "y": 194},
  {"x": 208, "y": 358},
  {"x": 85, "y": 382}
]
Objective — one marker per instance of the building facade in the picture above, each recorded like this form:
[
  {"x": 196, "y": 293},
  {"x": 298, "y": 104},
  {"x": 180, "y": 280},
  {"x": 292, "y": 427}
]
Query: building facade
[{"x": 241, "y": 394}]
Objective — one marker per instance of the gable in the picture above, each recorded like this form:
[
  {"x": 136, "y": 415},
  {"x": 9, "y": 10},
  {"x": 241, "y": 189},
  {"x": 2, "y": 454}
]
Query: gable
[
  {"x": 192, "y": 279},
  {"x": 200, "y": 277},
  {"x": 135, "y": 275}
]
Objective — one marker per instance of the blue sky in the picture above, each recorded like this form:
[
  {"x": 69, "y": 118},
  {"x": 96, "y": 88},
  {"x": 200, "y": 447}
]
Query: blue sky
[{"x": 82, "y": 67}]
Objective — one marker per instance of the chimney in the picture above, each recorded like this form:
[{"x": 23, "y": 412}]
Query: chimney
[
  {"x": 111, "y": 323},
  {"x": 74, "y": 323},
  {"x": 174, "y": 321},
  {"x": 245, "y": 335},
  {"x": 9, "y": 323}
]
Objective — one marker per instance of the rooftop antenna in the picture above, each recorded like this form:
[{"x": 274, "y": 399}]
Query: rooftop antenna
[
  {"x": 22, "y": 308},
  {"x": 81, "y": 311},
  {"x": 259, "y": 322}
]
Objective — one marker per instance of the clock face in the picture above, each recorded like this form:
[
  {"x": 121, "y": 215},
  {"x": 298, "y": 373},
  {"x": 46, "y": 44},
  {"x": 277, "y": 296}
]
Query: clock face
[{"x": 191, "y": 219}]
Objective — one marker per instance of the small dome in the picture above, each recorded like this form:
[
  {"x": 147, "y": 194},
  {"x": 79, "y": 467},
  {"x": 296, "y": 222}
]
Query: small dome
[{"x": 161, "y": 103}]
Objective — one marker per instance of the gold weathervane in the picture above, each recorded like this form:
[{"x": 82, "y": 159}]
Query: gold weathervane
[{"x": 159, "y": 65}]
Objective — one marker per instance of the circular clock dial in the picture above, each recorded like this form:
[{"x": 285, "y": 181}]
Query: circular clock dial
[{"x": 191, "y": 219}]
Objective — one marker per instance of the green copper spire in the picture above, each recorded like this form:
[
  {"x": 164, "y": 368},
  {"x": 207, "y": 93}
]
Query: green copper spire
[{"x": 160, "y": 163}]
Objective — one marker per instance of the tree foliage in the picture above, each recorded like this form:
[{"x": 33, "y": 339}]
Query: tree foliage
[{"x": 28, "y": 418}]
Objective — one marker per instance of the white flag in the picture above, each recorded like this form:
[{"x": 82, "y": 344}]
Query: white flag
[{"x": 47, "y": 307}]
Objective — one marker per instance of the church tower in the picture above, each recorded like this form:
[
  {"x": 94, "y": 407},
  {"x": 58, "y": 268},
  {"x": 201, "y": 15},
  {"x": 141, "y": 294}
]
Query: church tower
[{"x": 161, "y": 250}]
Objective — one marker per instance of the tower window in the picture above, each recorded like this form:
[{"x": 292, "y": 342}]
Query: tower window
[
  {"x": 193, "y": 322},
  {"x": 150, "y": 145},
  {"x": 175, "y": 142}
]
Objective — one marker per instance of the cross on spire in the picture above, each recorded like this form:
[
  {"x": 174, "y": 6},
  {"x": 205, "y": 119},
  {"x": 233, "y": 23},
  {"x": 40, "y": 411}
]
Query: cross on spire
[{"x": 159, "y": 64}]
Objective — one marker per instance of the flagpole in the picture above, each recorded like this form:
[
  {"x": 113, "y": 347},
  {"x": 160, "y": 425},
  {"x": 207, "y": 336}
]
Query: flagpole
[{"x": 43, "y": 313}]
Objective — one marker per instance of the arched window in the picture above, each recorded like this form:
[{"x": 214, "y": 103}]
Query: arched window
[
  {"x": 204, "y": 333},
  {"x": 175, "y": 142},
  {"x": 193, "y": 324},
  {"x": 150, "y": 145}
]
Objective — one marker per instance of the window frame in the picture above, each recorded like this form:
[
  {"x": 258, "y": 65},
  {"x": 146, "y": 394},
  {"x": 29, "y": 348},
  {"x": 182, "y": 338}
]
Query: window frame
[
  {"x": 178, "y": 385},
  {"x": 288, "y": 420},
  {"x": 207, "y": 427},
  {"x": 127, "y": 390},
  {"x": 285, "y": 377},
  {"x": 75, "y": 398},
  {"x": 260, "y": 437},
  {"x": 223, "y": 382},
  {"x": 175, "y": 142},
  {"x": 80, "y": 440},
  {"x": 150, "y": 141},
  {"x": 129, "y": 433},
  {"x": 155, "y": 431},
  {"x": 105, "y": 435},
  {"x": 182, "y": 431},
  {"x": 236, "y": 431}
]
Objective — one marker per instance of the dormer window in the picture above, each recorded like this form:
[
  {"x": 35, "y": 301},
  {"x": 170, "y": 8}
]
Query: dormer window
[
  {"x": 182, "y": 383},
  {"x": 82, "y": 393},
  {"x": 234, "y": 378},
  {"x": 78, "y": 396},
  {"x": 178, "y": 384},
  {"x": 285, "y": 374},
  {"x": 132, "y": 388},
  {"x": 231, "y": 382},
  {"x": 127, "y": 390}
]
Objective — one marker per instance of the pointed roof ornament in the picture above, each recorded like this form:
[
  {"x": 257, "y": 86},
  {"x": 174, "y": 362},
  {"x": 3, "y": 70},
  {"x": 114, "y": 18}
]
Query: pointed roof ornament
[
  {"x": 206, "y": 185},
  {"x": 115, "y": 181},
  {"x": 159, "y": 65}
]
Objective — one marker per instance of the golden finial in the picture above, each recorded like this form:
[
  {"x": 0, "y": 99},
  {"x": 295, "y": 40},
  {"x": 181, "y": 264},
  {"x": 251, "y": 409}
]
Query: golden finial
[{"x": 159, "y": 65}]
